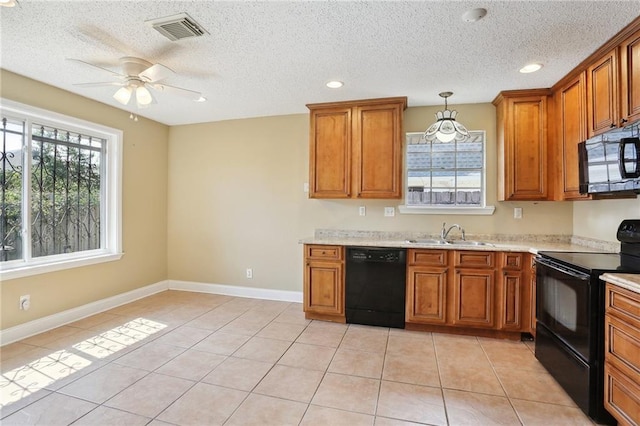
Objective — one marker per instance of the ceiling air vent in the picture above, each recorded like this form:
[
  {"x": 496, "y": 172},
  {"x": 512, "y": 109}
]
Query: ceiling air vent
[{"x": 177, "y": 27}]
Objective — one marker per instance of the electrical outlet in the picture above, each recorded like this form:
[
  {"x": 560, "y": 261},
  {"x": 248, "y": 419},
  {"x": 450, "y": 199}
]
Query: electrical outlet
[
  {"x": 249, "y": 273},
  {"x": 362, "y": 211},
  {"x": 25, "y": 302},
  {"x": 389, "y": 211},
  {"x": 517, "y": 213}
]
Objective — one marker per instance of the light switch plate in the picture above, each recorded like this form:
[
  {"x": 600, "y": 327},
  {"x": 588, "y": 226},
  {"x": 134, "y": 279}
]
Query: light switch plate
[
  {"x": 305, "y": 187},
  {"x": 389, "y": 211},
  {"x": 362, "y": 211}
]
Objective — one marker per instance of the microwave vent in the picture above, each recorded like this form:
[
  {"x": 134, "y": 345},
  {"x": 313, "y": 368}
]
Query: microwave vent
[{"x": 177, "y": 27}]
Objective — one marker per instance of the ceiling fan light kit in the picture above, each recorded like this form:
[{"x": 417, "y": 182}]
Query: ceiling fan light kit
[{"x": 137, "y": 77}]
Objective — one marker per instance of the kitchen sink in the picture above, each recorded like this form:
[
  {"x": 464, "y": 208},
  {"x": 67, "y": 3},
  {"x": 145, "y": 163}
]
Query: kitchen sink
[
  {"x": 469, "y": 243},
  {"x": 431, "y": 242},
  {"x": 446, "y": 243}
]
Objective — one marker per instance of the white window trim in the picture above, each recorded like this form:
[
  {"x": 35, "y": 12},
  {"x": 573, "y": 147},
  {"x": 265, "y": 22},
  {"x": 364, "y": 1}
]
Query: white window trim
[
  {"x": 113, "y": 190},
  {"x": 483, "y": 210},
  {"x": 475, "y": 211}
]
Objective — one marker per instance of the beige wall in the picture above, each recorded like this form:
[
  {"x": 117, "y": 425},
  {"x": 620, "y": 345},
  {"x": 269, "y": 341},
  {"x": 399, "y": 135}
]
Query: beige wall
[
  {"x": 236, "y": 200},
  {"x": 144, "y": 211},
  {"x": 600, "y": 219}
]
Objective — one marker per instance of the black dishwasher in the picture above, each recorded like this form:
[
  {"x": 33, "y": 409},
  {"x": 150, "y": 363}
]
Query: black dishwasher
[{"x": 375, "y": 286}]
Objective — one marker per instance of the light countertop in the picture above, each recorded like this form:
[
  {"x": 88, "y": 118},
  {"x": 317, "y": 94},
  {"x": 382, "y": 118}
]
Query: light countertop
[
  {"x": 523, "y": 243},
  {"x": 629, "y": 281}
]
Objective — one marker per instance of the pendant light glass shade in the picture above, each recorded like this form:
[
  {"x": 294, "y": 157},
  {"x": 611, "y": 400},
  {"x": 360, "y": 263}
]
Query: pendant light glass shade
[{"x": 446, "y": 128}]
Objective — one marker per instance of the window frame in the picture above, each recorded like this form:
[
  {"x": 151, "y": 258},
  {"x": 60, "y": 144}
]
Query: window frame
[
  {"x": 483, "y": 209},
  {"x": 111, "y": 194}
]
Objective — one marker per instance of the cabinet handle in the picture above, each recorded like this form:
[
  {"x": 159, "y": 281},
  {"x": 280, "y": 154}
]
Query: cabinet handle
[
  {"x": 322, "y": 252},
  {"x": 624, "y": 120},
  {"x": 612, "y": 125}
]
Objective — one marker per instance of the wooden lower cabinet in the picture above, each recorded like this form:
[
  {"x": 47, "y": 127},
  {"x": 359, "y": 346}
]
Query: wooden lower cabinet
[
  {"x": 511, "y": 300},
  {"x": 426, "y": 295},
  {"x": 427, "y": 277},
  {"x": 474, "y": 293},
  {"x": 622, "y": 355},
  {"x": 467, "y": 290},
  {"x": 324, "y": 283}
]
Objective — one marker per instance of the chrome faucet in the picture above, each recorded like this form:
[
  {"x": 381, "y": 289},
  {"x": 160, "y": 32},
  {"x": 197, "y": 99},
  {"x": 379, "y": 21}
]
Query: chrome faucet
[{"x": 445, "y": 232}]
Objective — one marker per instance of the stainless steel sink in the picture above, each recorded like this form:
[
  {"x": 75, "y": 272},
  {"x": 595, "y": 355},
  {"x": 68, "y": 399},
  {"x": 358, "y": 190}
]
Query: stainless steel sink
[
  {"x": 469, "y": 243},
  {"x": 428, "y": 241},
  {"x": 435, "y": 242}
]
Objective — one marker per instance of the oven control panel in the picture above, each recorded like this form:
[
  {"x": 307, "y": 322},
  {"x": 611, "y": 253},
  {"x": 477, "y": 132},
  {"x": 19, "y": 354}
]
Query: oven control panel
[{"x": 629, "y": 231}]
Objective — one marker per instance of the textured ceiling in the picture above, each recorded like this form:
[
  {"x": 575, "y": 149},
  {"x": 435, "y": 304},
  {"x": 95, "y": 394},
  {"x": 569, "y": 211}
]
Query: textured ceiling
[{"x": 272, "y": 58}]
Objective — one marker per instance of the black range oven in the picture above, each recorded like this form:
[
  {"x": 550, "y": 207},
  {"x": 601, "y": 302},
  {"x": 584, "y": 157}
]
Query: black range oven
[{"x": 570, "y": 316}]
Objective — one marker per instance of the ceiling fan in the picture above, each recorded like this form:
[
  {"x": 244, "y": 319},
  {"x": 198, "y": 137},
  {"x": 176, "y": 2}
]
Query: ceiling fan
[{"x": 136, "y": 78}]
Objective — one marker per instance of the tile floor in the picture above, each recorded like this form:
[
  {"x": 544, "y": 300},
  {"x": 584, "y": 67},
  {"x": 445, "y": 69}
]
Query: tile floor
[{"x": 180, "y": 358}]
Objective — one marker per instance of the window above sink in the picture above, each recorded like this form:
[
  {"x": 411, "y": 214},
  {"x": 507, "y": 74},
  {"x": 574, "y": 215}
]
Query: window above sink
[{"x": 445, "y": 177}]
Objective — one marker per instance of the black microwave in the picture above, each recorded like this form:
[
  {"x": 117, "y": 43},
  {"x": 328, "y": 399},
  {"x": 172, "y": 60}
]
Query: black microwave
[{"x": 609, "y": 166}]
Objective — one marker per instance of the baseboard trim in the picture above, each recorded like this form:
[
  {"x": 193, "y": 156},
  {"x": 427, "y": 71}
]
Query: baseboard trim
[
  {"x": 40, "y": 325},
  {"x": 238, "y": 291}
]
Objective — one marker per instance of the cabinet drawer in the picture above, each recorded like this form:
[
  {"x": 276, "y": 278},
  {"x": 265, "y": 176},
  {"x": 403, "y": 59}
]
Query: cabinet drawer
[
  {"x": 428, "y": 257},
  {"x": 622, "y": 346},
  {"x": 475, "y": 259},
  {"x": 324, "y": 252},
  {"x": 621, "y": 396},
  {"x": 623, "y": 304},
  {"x": 512, "y": 261}
]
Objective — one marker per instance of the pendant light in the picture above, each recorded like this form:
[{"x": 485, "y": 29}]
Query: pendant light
[{"x": 446, "y": 128}]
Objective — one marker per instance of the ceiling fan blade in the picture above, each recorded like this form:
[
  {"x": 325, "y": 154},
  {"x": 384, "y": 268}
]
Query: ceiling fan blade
[
  {"x": 100, "y": 84},
  {"x": 98, "y": 67},
  {"x": 155, "y": 73},
  {"x": 185, "y": 93}
]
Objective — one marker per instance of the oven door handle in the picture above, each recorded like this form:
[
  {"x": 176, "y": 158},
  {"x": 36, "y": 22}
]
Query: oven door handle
[{"x": 576, "y": 274}]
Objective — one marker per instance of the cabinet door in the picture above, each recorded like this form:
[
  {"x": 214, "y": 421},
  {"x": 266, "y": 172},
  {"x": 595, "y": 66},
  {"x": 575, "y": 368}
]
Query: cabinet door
[
  {"x": 426, "y": 295},
  {"x": 324, "y": 288},
  {"x": 572, "y": 129},
  {"x": 526, "y": 149},
  {"x": 330, "y": 153},
  {"x": 511, "y": 301},
  {"x": 630, "y": 76},
  {"x": 621, "y": 396},
  {"x": 532, "y": 295},
  {"x": 378, "y": 151},
  {"x": 602, "y": 94},
  {"x": 473, "y": 300}
]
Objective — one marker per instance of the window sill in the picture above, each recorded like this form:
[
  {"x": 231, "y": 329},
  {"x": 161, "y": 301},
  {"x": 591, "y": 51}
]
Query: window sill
[
  {"x": 24, "y": 270},
  {"x": 472, "y": 211}
]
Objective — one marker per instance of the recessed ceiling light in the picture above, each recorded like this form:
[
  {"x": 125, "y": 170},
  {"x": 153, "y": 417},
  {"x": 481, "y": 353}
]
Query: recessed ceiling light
[
  {"x": 8, "y": 3},
  {"x": 334, "y": 84},
  {"x": 530, "y": 68},
  {"x": 201, "y": 99},
  {"x": 474, "y": 15}
]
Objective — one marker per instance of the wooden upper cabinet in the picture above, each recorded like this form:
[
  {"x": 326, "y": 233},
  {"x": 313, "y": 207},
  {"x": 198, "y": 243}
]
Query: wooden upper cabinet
[
  {"x": 522, "y": 144},
  {"x": 602, "y": 94},
  {"x": 378, "y": 151},
  {"x": 356, "y": 149},
  {"x": 330, "y": 153},
  {"x": 630, "y": 78},
  {"x": 571, "y": 129}
]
